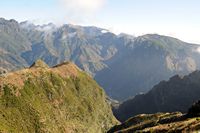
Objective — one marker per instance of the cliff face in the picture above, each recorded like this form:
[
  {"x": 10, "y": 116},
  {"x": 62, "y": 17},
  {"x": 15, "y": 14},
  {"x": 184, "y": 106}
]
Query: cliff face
[{"x": 58, "y": 99}]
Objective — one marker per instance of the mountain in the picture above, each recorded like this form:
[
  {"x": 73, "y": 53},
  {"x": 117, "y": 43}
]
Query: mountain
[
  {"x": 177, "y": 94},
  {"x": 58, "y": 99},
  {"x": 145, "y": 62},
  {"x": 156, "y": 123},
  {"x": 13, "y": 42},
  {"x": 123, "y": 65},
  {"x": 82, "y": 45},
  {"x": 162, "y": 122}
]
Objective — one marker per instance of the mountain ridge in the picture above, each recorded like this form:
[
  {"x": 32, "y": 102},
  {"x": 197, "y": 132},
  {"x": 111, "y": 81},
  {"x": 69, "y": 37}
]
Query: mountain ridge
[
  {"x": 58, "y": 99},
  {"x": 162, "y": 122},
  {"x": 119, "y": 63},
  {"x": 176, "y": 94}
]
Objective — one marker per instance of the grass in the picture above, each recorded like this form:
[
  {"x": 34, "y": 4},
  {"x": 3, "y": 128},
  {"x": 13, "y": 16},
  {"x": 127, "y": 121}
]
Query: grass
[
  {"x": 51, "y": 103},
  {"x": 160, "y": 122}
]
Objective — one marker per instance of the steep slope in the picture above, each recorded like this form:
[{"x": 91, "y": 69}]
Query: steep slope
[
  {"x": 177, "y": 94},
  {"x": 12, "y": 43},
  {"x": 81, "y": 45},
  {"x": 58, "y": 99},
  {"x": 162, "y": 122},
  {"x": 148, "y": 60},
  {"x": 119, "y": 63}
]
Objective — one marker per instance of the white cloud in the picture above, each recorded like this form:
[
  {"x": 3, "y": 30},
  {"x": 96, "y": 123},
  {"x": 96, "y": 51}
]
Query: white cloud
[
  {"x": 198, "y": 49},
  {"x": 83, "y": 5},
  {"x": 79, "y": 11}
]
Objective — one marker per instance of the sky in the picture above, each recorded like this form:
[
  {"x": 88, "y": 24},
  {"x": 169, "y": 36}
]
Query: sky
[{"x": 176, "y": 18}]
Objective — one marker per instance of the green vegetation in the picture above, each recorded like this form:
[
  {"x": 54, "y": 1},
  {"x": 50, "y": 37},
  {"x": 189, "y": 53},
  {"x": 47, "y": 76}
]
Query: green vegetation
[
  {"x": 156, "y": 123},
  {"x": 48, "y": 102},
  {"x": 119, "y": 63}
]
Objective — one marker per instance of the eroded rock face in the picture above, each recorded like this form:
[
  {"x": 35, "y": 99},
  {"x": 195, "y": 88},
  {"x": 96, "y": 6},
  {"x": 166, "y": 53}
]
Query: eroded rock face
[{"x": 185, "y": 64}]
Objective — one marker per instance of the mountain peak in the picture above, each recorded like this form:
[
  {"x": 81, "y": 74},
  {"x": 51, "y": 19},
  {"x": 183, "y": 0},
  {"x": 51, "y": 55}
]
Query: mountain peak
[
  {"x": 63, "y": 64},
  {"x": 17, "y": 78},
  {"x": 39, "y": 64},
  {"x": 66, "y": 68}
]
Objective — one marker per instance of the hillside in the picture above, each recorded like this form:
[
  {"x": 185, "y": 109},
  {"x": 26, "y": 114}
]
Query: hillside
[
  {"x": 162, "y": 122},
  {"x": 177, "y": 94},
  {"x": 119, "y": 63},
  {"x": 58, "y": 99},
  {"x": 148, "y": 60},
  {"x": 13, "y": 42}
]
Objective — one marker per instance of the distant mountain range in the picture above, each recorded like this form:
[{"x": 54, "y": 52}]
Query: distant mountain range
[
  {"x": 123, "y": 65},
  {"x": 60, "y": 99},
  {"x": 177, "y": 94}
]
